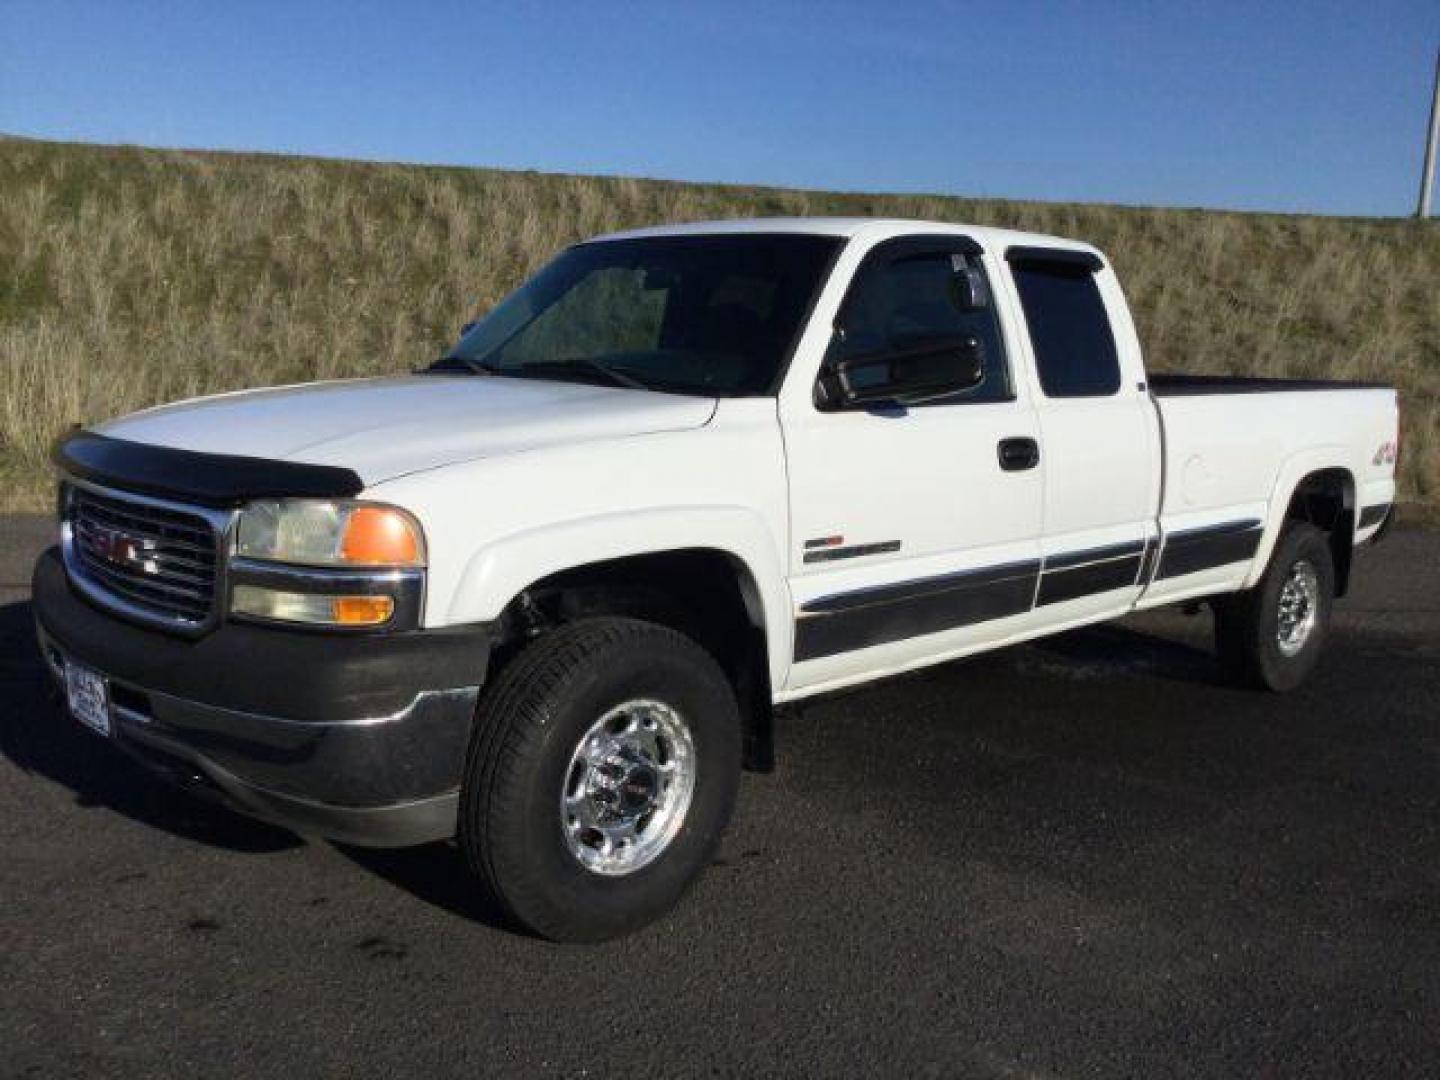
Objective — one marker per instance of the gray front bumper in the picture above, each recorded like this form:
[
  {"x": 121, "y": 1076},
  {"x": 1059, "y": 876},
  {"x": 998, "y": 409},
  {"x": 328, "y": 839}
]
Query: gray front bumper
[
  {"x": 324, "y": 735},
  {"x": 304, "y": 776}
]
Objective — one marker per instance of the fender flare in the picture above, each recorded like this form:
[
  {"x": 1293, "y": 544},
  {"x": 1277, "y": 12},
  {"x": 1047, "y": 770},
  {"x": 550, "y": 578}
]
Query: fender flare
[
  {"x": 500, "y": 570},
  {"x": 1292, "y": 471}
]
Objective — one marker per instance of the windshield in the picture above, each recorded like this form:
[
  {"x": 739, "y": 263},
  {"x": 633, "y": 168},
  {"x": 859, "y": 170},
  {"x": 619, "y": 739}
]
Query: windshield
[{"x": 709, "y": 315}]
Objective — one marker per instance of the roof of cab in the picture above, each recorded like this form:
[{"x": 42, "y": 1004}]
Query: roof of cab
[{"x": 874, "y": 229}]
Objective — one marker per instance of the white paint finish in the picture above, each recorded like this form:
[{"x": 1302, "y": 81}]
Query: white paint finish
[
  {"x": 1100, "y": 472},
  {"x": 927, "y": 477},
  {"x": 385, "y": 427},
  {"x": 867, "y": 230},
  {"x": 884, "y": 662},
  {"x": 515, "y": 480},
  {"x": 1237, "y": 457},
  {"x": 880, "y": 661},
  {"x": 496, "y": 525},
  {"x": 1374, "y": 492},
  {"x": 1362, "y": 421},
  {"x": 1100, "y": 456},
  {"x": 805, "y": 226},
  {"x": 1176, "y": 590}
]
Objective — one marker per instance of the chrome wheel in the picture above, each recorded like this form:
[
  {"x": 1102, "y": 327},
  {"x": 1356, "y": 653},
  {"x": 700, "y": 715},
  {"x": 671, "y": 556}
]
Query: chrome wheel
[
  {"x": 1299, "y": 608},
  {"x": 628, "y": 787}
]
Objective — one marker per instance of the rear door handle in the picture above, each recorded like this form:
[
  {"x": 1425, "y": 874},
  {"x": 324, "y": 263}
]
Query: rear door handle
[{"x": 1018, "y": 454}]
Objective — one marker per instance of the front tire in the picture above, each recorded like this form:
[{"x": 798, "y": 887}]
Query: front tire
[
  {"x": 602, "y": 771},
  {"x": 1271, "y": 636}
]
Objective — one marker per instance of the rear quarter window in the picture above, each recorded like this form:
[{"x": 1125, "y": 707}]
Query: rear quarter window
[{"x": 1069, "y": 330}]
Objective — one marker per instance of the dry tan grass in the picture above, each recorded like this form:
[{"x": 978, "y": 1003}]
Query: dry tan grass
[{"x": 130, "y": 277}]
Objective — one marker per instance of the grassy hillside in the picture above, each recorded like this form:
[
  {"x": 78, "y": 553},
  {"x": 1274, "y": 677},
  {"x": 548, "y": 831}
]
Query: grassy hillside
[{"x": 130, "y": 277}]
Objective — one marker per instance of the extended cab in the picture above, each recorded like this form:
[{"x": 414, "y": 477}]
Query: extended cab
[{"x": 543, "y": 596}]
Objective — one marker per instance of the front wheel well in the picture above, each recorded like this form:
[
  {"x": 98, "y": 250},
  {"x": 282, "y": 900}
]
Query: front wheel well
[
  {"x": 706, "y": 594},
  {"x": 1326, "y": 499}
]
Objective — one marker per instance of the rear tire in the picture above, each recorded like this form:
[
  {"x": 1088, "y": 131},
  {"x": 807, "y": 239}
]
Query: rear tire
[
  {"x": 605, "y": 740},
  {"x": 1270, "y": 637}
]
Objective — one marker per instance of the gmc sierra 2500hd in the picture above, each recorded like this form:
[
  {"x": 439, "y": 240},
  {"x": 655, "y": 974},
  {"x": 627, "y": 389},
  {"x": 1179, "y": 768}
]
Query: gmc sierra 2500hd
[{"x": 543, "y": 596}]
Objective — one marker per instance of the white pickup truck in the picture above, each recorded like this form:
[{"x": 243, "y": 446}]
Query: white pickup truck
[{"x": 544, "y": 596}]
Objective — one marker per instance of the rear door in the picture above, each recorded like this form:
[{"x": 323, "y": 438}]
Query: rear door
[
  {"x": 1098, "y": 432},
  {"x": 914, "y": 530}
]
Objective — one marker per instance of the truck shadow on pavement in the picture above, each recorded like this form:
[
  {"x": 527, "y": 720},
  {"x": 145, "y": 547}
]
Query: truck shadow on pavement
[
  {"x": 1109, "y": 650},
  {"x": 435, "y": 874},
  {"x": 37, "y": 737}
]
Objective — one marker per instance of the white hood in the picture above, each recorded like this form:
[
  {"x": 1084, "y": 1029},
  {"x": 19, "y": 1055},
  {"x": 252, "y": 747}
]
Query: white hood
[{"x": 387, "y": 427}]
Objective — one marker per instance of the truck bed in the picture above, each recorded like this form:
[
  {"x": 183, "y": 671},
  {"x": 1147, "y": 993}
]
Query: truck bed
[{"x": 1231, "y": 444}]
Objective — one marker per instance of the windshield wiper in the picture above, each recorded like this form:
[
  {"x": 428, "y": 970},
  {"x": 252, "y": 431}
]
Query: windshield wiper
[
  {"x": 449, "y": 360},
  {"x": 614, "y": 376},
  {"x": 478, "y": 366},
  {"x": 541, "y": 368}
]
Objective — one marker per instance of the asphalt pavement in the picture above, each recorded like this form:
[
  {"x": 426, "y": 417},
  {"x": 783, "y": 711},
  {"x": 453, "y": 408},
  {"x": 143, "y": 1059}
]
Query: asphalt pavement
[{"x": 1089, "y": 856}]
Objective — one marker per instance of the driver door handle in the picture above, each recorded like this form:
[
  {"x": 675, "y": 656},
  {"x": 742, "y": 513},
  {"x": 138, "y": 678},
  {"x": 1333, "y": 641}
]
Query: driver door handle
[{"x": 1018, "y": 454}]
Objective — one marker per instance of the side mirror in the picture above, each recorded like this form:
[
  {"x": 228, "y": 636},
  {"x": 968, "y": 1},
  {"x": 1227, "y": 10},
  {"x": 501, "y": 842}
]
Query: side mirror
[
  {"x": 916, "y": 373},
  {"x": 469, "y": 326}
]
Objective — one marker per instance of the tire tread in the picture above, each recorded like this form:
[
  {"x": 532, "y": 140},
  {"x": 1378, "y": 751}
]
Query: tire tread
[
  {"x": 510, "y": 722},
  {"x": 1242, "y": 620}
]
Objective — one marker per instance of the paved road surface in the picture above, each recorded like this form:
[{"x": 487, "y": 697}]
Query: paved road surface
[{"x": 1085, "y": 857}]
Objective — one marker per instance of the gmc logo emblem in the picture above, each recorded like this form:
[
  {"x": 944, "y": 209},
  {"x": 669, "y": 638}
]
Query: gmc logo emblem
[{"x": 122, "y": 549}]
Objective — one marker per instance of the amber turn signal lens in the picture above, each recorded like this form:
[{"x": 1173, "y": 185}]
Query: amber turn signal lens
[
  {"x": 315, "y": 608},
  {"x": 379, "y": 536},
  {"x": 361, "y": 610}
]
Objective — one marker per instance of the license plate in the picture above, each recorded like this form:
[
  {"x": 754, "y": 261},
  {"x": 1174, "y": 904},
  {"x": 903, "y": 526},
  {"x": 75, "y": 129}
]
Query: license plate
[{"x": 88, "y": 696}]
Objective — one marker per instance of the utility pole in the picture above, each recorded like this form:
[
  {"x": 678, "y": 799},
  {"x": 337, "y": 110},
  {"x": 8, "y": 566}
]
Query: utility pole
[{"x": 1427, "y": 178}]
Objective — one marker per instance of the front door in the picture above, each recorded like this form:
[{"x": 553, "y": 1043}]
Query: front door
[{"x": 914, "y": 530}]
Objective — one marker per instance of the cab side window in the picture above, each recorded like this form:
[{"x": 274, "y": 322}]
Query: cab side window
[
  {"x": 913, "y": 299},
  {"x": 1069, "y": 330}
]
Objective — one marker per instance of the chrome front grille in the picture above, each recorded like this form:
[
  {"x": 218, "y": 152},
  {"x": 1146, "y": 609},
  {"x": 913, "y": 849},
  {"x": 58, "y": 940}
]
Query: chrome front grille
[{"x": 154, "y": 560}]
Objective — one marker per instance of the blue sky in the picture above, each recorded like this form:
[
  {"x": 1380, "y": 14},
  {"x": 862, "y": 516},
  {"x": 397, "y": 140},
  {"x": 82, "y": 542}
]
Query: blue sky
[{"x": 1307, "y": 106}]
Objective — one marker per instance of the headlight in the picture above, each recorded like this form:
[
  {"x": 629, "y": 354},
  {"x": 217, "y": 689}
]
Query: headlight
[
  {"x": 328, "y": 563},
  {"x": 314, "y": 532}
]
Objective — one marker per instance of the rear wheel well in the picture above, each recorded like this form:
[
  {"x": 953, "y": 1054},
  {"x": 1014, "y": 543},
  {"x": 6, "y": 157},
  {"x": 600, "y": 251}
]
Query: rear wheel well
[
  {"x": 705, "y": 594},
  {"x": 1326, "y": 499}
]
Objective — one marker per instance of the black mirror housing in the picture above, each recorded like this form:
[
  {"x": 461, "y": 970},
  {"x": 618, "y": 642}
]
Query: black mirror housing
[{"x": 920, "y": 372}]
